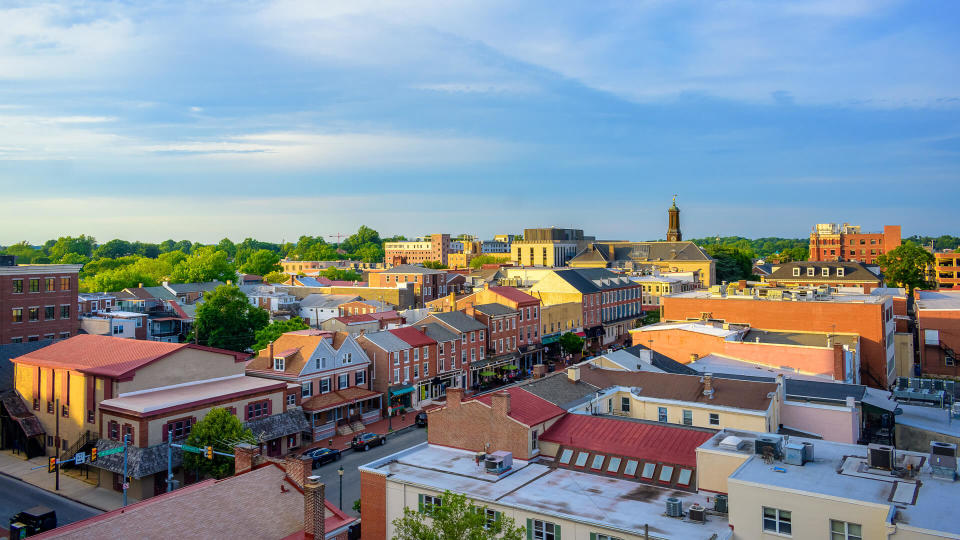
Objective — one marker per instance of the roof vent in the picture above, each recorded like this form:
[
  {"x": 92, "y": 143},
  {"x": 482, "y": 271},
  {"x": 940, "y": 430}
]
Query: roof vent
[
  {"x": 731, "y": 442},
  {"x": 674, "y": 507}
]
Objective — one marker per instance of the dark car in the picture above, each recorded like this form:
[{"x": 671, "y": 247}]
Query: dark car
[
  {"x": 33, "y": 521},
  {"x": 365, "y": 440},
  {"x": 421, "y": 419},
  {"x": 322, "y": 455}
]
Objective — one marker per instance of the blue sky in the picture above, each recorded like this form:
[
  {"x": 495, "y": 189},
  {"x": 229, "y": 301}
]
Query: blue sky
[{"x": 274, "y": 119}]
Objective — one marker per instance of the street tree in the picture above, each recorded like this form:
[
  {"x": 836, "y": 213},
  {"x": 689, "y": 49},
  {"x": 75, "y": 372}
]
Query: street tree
[
  {"x": 906, "y": 265},
  {"x": 275, "y": 329},
  {"x": 571, "y": 343},
  {"x": 275, "y": 277},
  {"x": 226, "y": 319},
  {"x": 222, "y": 431},
  {"x": 454, "y": 518}
]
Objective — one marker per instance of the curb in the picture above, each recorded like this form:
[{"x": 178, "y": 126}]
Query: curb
[{"x": 58, "y": 494}]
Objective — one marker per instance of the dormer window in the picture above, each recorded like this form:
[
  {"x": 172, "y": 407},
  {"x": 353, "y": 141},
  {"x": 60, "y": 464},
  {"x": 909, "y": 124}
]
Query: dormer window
[
  {"x": 840, "y": 271},
  {"x": 796, "y": 272},
  {"x": 278, "y": 363},
  {"x": 348, "y": 358},
  {"x": 825, "y": 272},
  {"x": 811, "y": 271}
]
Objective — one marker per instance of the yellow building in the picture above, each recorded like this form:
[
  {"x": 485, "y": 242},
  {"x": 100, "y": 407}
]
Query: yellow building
[
  {"x": 947, "y": 269},
  {"x": 649, "y": 258},
  {"x": 548, "y": 247}
]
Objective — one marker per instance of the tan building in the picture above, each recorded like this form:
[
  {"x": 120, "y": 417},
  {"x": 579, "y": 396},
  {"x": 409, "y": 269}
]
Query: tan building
[
  {"x": 548, "y": 247},
  {"x": 649, "y": 258},
  {"x": 435, "y": 247}
]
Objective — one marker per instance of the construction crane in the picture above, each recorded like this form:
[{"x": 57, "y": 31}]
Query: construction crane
[{"x": 338, "y": 236}]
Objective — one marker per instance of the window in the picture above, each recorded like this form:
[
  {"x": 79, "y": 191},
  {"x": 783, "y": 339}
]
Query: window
[
  {"x": 666, "y": 473},
  {"x": 796, "y": 272},
  {"x": 291, "y": 400},
  {"x": 49, "y": 313},
  {"x": 64, "y": 284},
  {"x": 396, "y": 375},
  {"x": 426, "y": 369},
  {"x": 648, "y": 470},
  {"x": 18, "y": 285},
  {"x": 605, "y": 537},
  {"x": 684, "y": 478},
  {"x": 258, "y": 409},
  {"x": 597, "y": 462},
  {"x": 428, "y": 503},
  {"x": 544, "y": 530},
  {"x": 811, "y": 271},
  {"x": 292, "y": 441},
  {"x": 625, "y": 404},
  {"x": 406, "y": 356},
  {"x": 492, "y": 517},
  {"x": 361, "y": 377},
  {"x": 113, "y": 430},
  {"x": 17, "y": 339},
  {"x": 440, "y": 348},
  {"x": 776, "y": 520},
  {"x": 65, "y": 311},
  {"x": 631, "y": 468},
  {"x": 614, "y": 465},
  {"x": 841, "y": 530},
  {"x": 406, "y": 373},
  {"x": 473, "y": 336},
  {"x": 118, "y": 329},
  {"x": 306, "y": 389},
  {"x": 278, "y": 363},
  {"x": 463, "y": 338},
  {"x": 662, "y": 414},
  {"x": 840, "y": 271},
  {"x": 324, "y": 385},
  {"x": 34, "y": 314},
  {"x": 566, "y": 456},
  {"x": 714, "y": 419},
  {"x": 343, "y": 381},
  {"x": 17, "y": 314},
  {"x": 687, "y": 417},
  {"x": 416, "y": 371},
  {"x": 581, "y": 459},
  {"x": 34, "y": 285},
  {"x": 51, "y": 284}
]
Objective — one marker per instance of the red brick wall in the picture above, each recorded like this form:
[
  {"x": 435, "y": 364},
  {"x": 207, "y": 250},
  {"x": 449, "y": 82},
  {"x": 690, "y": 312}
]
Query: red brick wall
[
  {"x": 471, "y": 425},
  {"x": 25, "y": 300},
  {"x": 932, "y": 358},
  {"x": 373, "y": 503},
  {"x": 867, "y": 320}
]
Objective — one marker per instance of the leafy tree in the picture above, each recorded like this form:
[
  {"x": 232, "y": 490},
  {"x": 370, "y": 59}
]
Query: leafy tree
[
  {"x": 24, "y": 252},
  {"x": 173, "y": 258},
  {"x": 74, "y": 258},
  {"x": 205, "y": 264},
  {"x": 341, "y": 274},
  {"x": 907, "y": 265},
  {"x": 650, "y": 317},
  {"x": 732, "y": 263},
  {"x": 227, "y": 246},
  {"x": 477, "y": 262},
  {"x": 454, "y": 519},
  {"x": 795, "y": 254},
  {"x": 370, "y": 253},
  {"x": 185, "y": 246},
  {"x": 114, "y": 249},
  {"x": 227, "y": 320},
  {"x": 571, "y": 343},
  {"x": 364, "y": 235},
  {"x": 81, "y": 245},
  {"x": 273, "y": 330},
  {"x": 275, "y": 277},
  {"x": 436, "y": 265},
  {"x": 218, "y": 429},
  {"x": 151, "y": 251},
  {"x": 150, "y": 272},
  {"x": 167, "y": 245},
  {"x": 261, "y": 263}
]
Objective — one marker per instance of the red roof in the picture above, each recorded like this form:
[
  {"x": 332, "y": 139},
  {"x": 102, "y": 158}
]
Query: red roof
[
  {"x": 526, "y": 408},
  {"x": 360, "y": 317},
  {"x": 515, "y": 295},
  {"x": 649, "y": 442},
  {"x": 179, "y": 310},
  {"x": 414, "y": 337},
  {"x": 107, "y": 355},
  {"x": 381, "y": 315}
]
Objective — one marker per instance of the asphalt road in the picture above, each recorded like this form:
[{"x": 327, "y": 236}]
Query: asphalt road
[
  {"x": 351, "y": 460},
  {"x": 16, "y": 496}
]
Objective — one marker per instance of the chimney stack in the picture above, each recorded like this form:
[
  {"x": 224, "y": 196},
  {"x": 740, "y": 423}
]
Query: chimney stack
[
  {"x": 573, "y": 373},
  {"x": 271, "y": 353},
  {"x": 298, "y": 468},
  {"x": 539, "y": 371},
  {"x": 314, "y": 507},
  {"x": 500, "y": 402},
  {"x": 453, "y": 301},
  {"x": 454, "y": 397},
  {"x": 708, "y": 385},
  {"x": 140, "y": 285},
  {"x": 243, "y": 457}
]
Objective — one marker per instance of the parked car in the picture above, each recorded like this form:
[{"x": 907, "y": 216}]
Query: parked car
[
  {"x": 365, "y": 440},
  {"x": 322, "y": 455},
  {"x": 33, "y": 521},
  {"x": 421, "y": 419}
]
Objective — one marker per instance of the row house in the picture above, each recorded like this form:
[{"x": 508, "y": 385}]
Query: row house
[
  {"x": 359, "y": 306},
  {"x": 96, "y": 390},
  {"x": 270, "y": 298},
  {"x": 332, "y": 374},
  {"x": 471, "y": 346},
  {"x": 429, "y": 284},
  {"x": 37, "y": 301},
  {"x": 89, "y": 303},
  {"x": 364, "y": 322},
  {"x": 501, "y": 343},
  {"x": 316, "y": 308},
  {"x": 121, "y": 324}
]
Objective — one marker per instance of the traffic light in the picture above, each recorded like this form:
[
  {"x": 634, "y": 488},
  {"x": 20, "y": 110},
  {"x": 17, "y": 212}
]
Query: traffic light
[
  {"x": 209, "y": 452},
  {"x": 52, "y": 464},
  {"x": 93, "y": 454}
]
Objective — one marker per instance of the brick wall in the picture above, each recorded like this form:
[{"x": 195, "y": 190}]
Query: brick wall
[
  {"x": 471, "y": 425},
  {"x": 932, "y": 357},
  {"x": 373, "y": 502},
  {"x": 44, "y": 327}
]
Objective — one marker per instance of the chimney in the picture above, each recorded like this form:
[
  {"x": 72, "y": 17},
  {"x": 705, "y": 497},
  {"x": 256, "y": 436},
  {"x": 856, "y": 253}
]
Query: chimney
[
  {"x": 539, "y": 370},
  {"x": 839, "y": 365},
  {"x": 140, "y": 285},
  {"x": 453, "y": 301},
  {"x": 501, "y": 403},
  {"x": 454, "y": 397},
  {"x": 298, "y": 468},
  {"x": 742, "y": 284},
  {"x": 781, "y": 387},
  {"x": 243, "y": 457},
  {"x": 314, "y": 507},
  {"x": 708, "y": 385},
  {"x": 271, "y": 353},
  {"x": 573, "y": 373},
  {"x": 694, "y": 357}
]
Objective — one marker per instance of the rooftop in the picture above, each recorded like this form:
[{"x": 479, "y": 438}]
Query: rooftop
[
  {"x": 495, "y": 310},
  {"x": 938, "y": 300},
  {"x": 932, "y": 419},
  {"x": 413, "y": 336},
  {"x": 156, "y": 401},
  {"x": 558, "y": 389},
  {"x": 412, "y": 269},
  {"x": 297, "y": 347},
  {"x": 525, "y": 407},
  {"x": 803, "y": 339},
  {"x": 459, "y": 321},
  {"x": 513, "y": 294},
  {"x": 700, "y": 327},
  {"x": 326, "y": 301},
  {"x": 823, "y": 298},
  {"x": 606, "y": 502},
  {"x": 718, "y": 364},
  {"x": 385, "y": 340}
]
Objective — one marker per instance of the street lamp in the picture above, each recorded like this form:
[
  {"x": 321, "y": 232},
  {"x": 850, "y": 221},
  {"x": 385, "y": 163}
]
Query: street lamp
[{"x": 340, "y": 472}]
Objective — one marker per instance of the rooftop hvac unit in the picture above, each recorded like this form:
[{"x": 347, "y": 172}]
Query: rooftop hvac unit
[
  {"x": 674, "y": 507},
  {"x": 793, "y": 454},
  {"x": 498, "y": 462},
  {"x": 697, "y": 513},
  {"x": 943, "y": 455},
  {"x": 769, "y": 445},
  {"x": 807, "y": 452},
  {"x": 731, "y": 442},
  {"x": 720, "y": 504},
  {"x": 880, "y": 456}
]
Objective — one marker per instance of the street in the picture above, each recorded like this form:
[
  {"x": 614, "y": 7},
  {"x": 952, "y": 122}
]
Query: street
[
  {"x": 351, "y": 460},
  {"x": 18, "y": 495}
]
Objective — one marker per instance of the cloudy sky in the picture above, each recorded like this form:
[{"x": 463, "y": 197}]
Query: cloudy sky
[{"x": 274, "y": 119}]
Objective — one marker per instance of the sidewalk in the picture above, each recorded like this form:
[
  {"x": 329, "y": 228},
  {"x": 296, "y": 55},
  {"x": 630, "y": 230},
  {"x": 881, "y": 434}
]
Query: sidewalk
[
  {"x": 70, "y": 488},
  {"x": 380, "y": 426}
]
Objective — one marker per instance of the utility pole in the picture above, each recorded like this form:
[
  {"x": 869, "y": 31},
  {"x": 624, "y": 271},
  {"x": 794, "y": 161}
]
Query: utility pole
[
  {"x": 56, "y": 413},
  {"x": 125, "y": 469},
  {"x": 169, "y": 460}
]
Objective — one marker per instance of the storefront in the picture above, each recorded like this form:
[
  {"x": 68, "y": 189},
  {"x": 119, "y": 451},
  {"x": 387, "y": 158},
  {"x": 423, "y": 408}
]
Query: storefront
[
  {"x": 401, "y": 398},
  {"x": 436, "y": 388},
  {"x": 495, "y": 371}
]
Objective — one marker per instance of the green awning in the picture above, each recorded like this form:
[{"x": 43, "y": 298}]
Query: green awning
[
  {"x": 546, "y": 340},
  {"x": 488, "y": 374},
  {"x": 401, "y": 391},
  {"x": 510, "y": 367}
]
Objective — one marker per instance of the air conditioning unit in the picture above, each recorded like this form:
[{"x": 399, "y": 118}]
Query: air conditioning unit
[
  {"x": 498, "y": 462},
  {"x": 769, "y": 444},
  {"x": 720, "y": 504},
  {"x": 880, "y": 456},
  {"x": 793, "y": 454},
  {"x": 697, "y": 513},
  {"x": 943, "y": 455},
  {"x": 674, "y": 507}
]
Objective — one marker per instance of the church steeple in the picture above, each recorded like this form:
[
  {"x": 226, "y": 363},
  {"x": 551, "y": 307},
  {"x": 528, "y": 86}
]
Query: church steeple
[{"x": 673, "y": 230}]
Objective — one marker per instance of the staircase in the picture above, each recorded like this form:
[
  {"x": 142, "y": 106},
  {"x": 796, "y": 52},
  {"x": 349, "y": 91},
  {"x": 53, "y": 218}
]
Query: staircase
[
  {"x": 84, "y": 440},
  {"x": 357, "y": 426},
  {"x": 345, "y": 429}
]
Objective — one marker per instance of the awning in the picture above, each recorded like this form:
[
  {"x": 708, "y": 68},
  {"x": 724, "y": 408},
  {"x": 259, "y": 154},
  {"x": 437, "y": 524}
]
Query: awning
[
  {"x": 581, "y": 334},
  {"x": 546, "y": 340},
  {"x": 399, "y": 391},
  {"x": 510, "y": 367},
  {"x": 488, "y": 374},
  {"x": 16, "y": 409}
]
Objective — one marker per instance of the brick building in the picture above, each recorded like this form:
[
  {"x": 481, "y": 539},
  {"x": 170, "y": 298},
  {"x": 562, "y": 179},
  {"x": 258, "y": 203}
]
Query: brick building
[
  {"x": 947, "y": 268},
  {"x": 828, "y": 273},
  {"x": 435, "y": 247},
  {"x": 938, "y": 325},
  {"x": 871, "y": 317},
  {"x": 92, "y": 302},
  {"x": 835, "y": 242},
  {"x": 502, "y": 353},
  {"x": 428, "y": 284},
  {"x": 472, "y": 340},
  {"x": 37, "y": 301}
]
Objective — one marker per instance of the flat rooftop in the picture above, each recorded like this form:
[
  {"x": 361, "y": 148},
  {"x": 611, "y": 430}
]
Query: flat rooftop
[
  {"x": 153, "y": 400},
  {"x": 938, "y": 300},
  {"x": 804, "y": 339},
  {"x": 840, "y": 470},
  {"x": 699, "y": 327},
  {"x": 606, "y": 502},
  {"x": 717, "y": 364},
  {"x": 933, "y": 419},
  {"x": 829, "y": 298}
]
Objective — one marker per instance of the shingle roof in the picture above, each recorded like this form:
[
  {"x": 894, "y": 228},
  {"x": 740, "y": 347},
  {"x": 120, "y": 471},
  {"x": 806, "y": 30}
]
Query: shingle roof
[
  {"x": 525, "y": 407},
  {"x": 386, "y": 341},
  {"x": 183, "y": 288},
  {"x": 336, "y": 398},
  {"x": 592, "y": 280},
  {"x": 302, "y": 342},
  {"x": 495, "y": 310},
  {"x": 641, "y": 251},
  {"x": 514, "y": 295},
  {"x": 459, "y": 321},
  {"x": 439, "y": 333},
  {"x": 17, "y": 409},
  {"x": 271, "y": 427},
  {"x": 662, "y": 362},
  {"x": 322, "y": 301},
  {"x": 412, "y": 269},
  {"x": 140, "y": 293},
  {"x": 648, "y": 442},
  {"x": 160, "y": 293},
  {"x": 107, "y": 355},
  {"x": 411, "y": 335},
  {"x": 557, "y": 388},
  {"x": 852, "y": 271},
  {"x": 14, "y": 350}
]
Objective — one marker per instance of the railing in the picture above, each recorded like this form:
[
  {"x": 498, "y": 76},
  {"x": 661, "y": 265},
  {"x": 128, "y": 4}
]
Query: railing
[
  {"x": 82, "y": 441},
  {"x": 370, "y": 417},
  {"x": 325, "y": 431}
]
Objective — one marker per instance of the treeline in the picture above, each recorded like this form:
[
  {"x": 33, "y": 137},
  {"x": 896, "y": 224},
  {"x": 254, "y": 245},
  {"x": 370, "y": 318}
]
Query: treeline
[
  {"x": 941, "y": 242},
  {"x": 792, "y": 249},
  {"x": 117, "y": 264}
]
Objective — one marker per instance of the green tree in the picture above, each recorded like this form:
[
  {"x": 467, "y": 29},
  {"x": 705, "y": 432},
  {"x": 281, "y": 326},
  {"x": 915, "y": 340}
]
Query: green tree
[
  {"x": 275, "y": 329},
  {"x": 167, "y": 245},
  {"x": 732, "y": 263},
  {"x": 571, "y": 343},
  {"x": 204, "y": 264},
  {"x": 364, "y": 235},
  {"x": 114, "y": 249},
  {"x": 227, "y": 320},
  {"x": 455, "y": 518},
  {"x": 81, "y": 245},
  {"x": 24, "y": 252},
  {"x": 907, "y": 265},
  {"x": 261, "y": 263},
  {"x": 436, "y": 265},
  {"x": 341, "y": 274},
  {"x": 222, "y": 431},
  {"x": 477, "y": 262},
  {"x": 227, "y": 246},
  {"x": 151, "y": 251},
  {"x": 74, "y": 258},
  {"x": 275, "y": 277},
  {"x": 370, "y": 253}
]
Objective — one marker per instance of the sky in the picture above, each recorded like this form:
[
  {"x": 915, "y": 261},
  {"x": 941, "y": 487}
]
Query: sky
[{"x": 275, "y": 119}]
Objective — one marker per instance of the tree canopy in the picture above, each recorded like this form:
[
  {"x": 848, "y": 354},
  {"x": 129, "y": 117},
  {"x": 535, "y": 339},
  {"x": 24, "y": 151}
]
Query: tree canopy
[
  {"x": 571, "y": 343},
  {"x": 436, "y": 265},
  {"x": 732, "y": 263},
  {"x": 275, "y": 329},
  {"x": 222, "y": 431},
  {"x": 261, "y": 263},
  {"x": 204, "y": 264},
  {"x": 906, "y": 265},
  {"x": 454, "y": 518},
  {"x": 227, "y": 320},
  {"x": 342, "y": 274}
]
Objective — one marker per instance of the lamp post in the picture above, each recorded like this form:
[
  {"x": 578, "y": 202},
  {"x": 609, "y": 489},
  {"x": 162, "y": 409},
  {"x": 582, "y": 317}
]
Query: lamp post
[{"x": 340, "y": 472}]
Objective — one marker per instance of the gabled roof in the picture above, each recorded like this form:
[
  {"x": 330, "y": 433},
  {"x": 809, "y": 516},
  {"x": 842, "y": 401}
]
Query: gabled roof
[
  {"x": 326, "y": 301},
  {"x": 140, "y": 293},
  {"x": 514, "y": 295},
  {"x": 160, "y": 293},
  {"x": 557, "y": 388},
  {"x": 525, "y": 407},
  {"x": 439, "y": 333},
  {"x": 386, "y": 341},
  {"x": 661, "y": 362},
  {"x": 336, "y": 398},
  {"x": 411, "y": 335},
  {"x": 303, "y": 342},
  {"x": 108, "y": 356},
  {"x": 593, "y": 280},
  {"x": 355, "y": 319},
  {"x": 495, "y": 310},
  {"x": 183, "y": 288},
  {"x": 642, "y": 441},
  {"x": 852, "y": 271},
  {"x": 459, "y": 321}
]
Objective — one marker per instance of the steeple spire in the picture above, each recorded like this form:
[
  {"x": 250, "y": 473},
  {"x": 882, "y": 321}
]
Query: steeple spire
[{"x": 673, "y": 229}]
